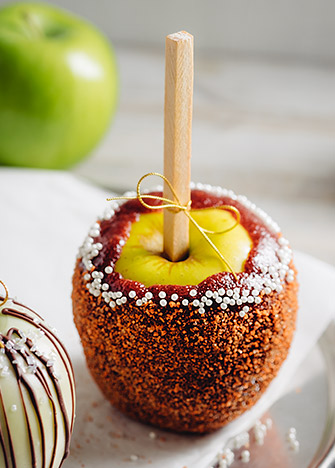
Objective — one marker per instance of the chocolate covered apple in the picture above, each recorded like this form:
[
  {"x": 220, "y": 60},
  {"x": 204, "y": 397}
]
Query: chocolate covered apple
[
  {"x": 37, "y": 393},
  {"x": 184, "y": 328}
]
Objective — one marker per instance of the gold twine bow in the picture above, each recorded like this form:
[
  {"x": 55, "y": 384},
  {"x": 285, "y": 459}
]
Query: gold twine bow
[
  {"x": 176, "y": 205},
  {"x": 6, "y": 294}
]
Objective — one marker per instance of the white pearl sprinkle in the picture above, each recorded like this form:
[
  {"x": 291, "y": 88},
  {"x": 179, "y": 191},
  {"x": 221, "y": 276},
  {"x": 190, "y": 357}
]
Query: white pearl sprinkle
[
  {"x": 185, "y": 302},
  {"x": 174, "y": 297},
  {"x": 295, "y": 446},
  {"x": 241, "y": 440},
  {"x": 139, "y": 302},
  {"x": 108, "y": 270},
  {"x": 209, "y": 293},
  {"x": 245, "y": 309},
  {"x": 245, "y": 456},
  {"x": 132, "y": 294},
  {"x": 223, "y": 306},
  {"x": 201, "y": 310},
  {"x": 241, "y": 313},
  {"x": 163, "y": 302},
  {"x": 222, "y": 292},
  {"x": 193, "y": 292},
  {"x": 149, "y": 295},
  {"x": 222, "y": 463},
  {"x": 196, "y": 303},
  {"x": 229, "y": 456},
  {"x": 268, "y": 423},
  {"x": 162, "y": 294}
]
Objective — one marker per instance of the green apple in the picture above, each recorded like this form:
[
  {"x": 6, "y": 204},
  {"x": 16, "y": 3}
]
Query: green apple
[
  {"x": 141, "y": 258},
  {"x": 58, "y": 86}
]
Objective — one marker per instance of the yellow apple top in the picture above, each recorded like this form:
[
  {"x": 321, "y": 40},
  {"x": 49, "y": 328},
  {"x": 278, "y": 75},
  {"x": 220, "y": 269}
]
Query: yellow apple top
[{"x": 141, "y": 258}]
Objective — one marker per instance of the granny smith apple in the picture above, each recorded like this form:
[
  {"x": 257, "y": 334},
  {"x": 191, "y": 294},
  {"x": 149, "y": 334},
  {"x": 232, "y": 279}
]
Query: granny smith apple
[
  {"x": 141, "y": 258},
  {"x": 58, "y": 86}
]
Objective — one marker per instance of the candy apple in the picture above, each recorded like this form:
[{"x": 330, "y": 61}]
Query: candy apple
[
  {"x": 185, "y": 345},
  {"x": 37, "y": 394},
  {"x": 58, "y": 86}
]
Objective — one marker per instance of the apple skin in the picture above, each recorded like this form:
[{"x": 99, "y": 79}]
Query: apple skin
[
  {"x": 58, "y": 86},
  {"x": 141, "y": 256}
]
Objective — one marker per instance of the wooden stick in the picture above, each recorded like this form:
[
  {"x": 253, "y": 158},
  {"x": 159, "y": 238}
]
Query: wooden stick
[{"x": 177, "y": 139}]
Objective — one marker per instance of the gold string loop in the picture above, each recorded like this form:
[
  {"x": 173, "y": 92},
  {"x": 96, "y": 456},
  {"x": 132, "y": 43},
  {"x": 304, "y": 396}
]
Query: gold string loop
[
  {"x": 176, "y": 205},
  {"x": 3, "y": 302}
]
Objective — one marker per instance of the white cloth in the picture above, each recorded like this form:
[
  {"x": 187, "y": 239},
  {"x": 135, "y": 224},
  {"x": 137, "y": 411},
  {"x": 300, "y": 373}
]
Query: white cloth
[{"x": 44, "y": 218}]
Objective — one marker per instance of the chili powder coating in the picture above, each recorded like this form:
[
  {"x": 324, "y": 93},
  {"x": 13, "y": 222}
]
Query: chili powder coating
[{"x": 185, "y": 358}]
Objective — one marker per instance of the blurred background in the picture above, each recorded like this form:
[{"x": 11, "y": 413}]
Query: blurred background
[{"x": 264, "y": 103}]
